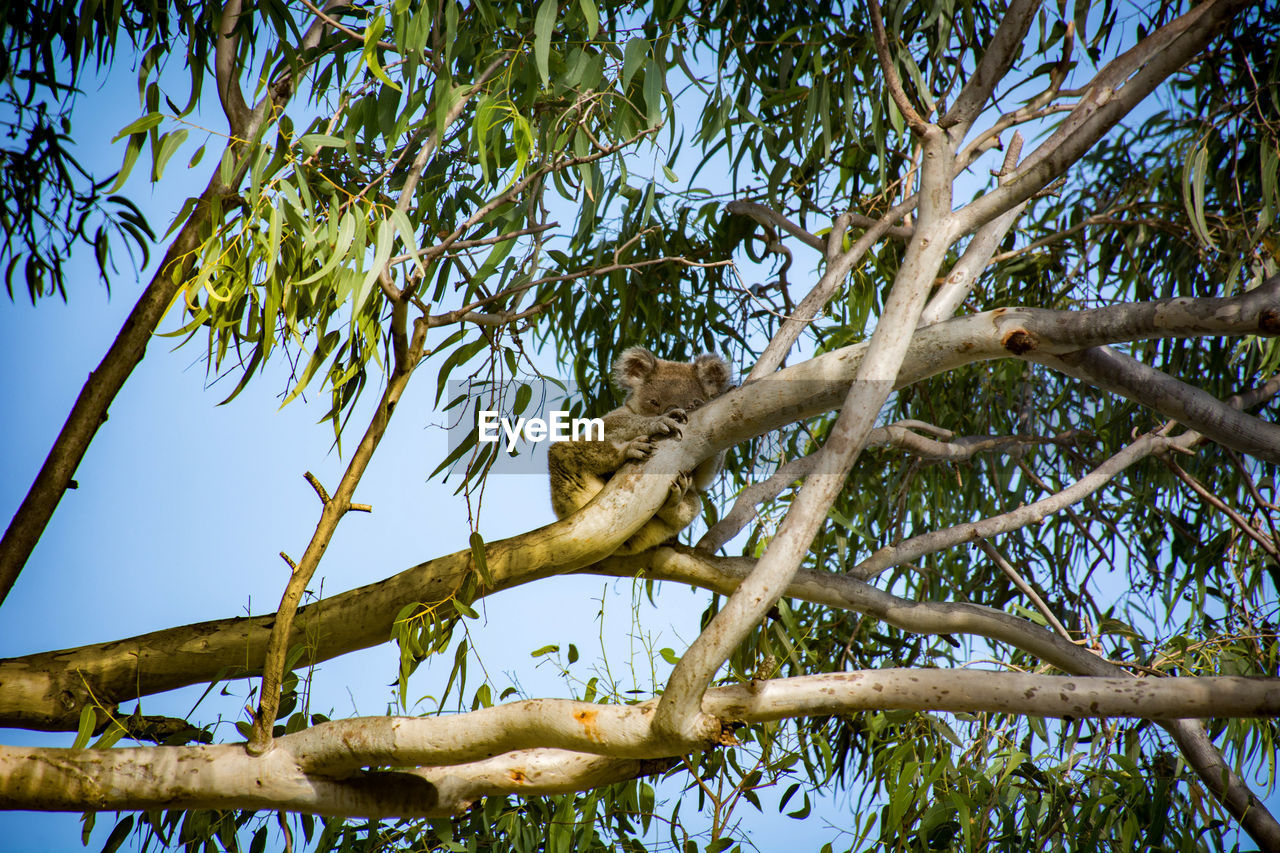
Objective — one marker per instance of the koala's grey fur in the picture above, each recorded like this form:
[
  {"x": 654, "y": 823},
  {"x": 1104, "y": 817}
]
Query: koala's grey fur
[{"x": 660, "y": 393}]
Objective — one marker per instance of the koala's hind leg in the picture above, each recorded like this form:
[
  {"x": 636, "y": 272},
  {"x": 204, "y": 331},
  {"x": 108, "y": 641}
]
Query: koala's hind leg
[
  {"x": 674, "y": 516},
  {"x": 676, "y": 511}
]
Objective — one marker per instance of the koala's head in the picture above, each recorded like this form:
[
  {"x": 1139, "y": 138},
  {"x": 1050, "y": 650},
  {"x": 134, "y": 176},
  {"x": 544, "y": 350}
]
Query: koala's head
[{"x": 655, "y": 386}]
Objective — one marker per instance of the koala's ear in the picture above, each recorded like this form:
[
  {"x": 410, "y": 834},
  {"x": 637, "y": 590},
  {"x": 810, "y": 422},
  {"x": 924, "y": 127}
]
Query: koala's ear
[
  {"x": 633, "y": 367},
  {"x": 713, "y": 373}
]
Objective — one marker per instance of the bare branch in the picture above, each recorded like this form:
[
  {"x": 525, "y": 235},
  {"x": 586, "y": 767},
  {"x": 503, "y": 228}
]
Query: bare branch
[
  {"x": 769, "y": 217},
  {"x": 318, "y": 486},
  {"x": 1120, "y": 374},
  {"x": 744, "y": 506},
  {"x": 433, "y": 142},
  {"x": 835, "y": 239},
  {"x": 1026, "y": 588},
  {"x": 832, "y": 277},
  {"x": 334, "y": 509},
  {"x": 891, "y": 80},
  {"x": 977, "y": 255},
  {"x": 1116, "y": 90},
  {"x": 897, "y": 435},
  {"x": 679, "y": 710},
  {"x": 937, "y": 540},
  {"x": 1241, "y": 523},
  {"x": 1000, "y": 54},
  {"x": 227, "y": 69},
  {"x": 312, "y": 770},
  {"x": 486, "y": 241},
  {"x": 1036, "y": 108}
]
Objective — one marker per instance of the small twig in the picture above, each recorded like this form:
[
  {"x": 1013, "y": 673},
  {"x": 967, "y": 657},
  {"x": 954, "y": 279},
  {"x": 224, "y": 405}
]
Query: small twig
[
  {"x": 486, "y": 241},
  {"x": 315, "y": 484},
  {"x": 1213, "y": 500},
  {"x": 293, "y": 567},
  {"x": 460, "y": 313},
  {"x": 1021, "y": 584}
]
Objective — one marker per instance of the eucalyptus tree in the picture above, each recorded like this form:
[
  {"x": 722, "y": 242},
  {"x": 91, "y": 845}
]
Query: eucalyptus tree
[{"x": 1016, "y": 367}]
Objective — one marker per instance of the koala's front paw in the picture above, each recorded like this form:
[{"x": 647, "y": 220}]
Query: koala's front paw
[
  {"x": 678, "y": 414},
  {"x": 639, "y": 449},
  {"x": 668, "y": 425}
]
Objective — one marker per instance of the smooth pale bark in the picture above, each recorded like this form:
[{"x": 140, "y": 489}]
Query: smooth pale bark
[
  {"x": 680, "y": 709},
  {"x": 318, "y": 770}
]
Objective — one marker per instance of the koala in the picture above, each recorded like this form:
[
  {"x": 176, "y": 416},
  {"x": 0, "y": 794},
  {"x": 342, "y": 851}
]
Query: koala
[{"x": 660, "y": 393}]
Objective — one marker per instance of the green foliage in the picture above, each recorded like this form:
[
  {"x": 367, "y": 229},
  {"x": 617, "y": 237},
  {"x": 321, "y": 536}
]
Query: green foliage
[{"x": 50, "y": 204}]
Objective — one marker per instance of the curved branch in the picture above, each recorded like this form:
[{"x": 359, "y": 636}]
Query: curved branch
[
  {"x": 767, "y": 216},
  {"x": 318, "y": 769},
  {"x": 1120, "y": 374},
  {"x": 891, "y": 80},
  {"x": 226, "y": 68},
  {"x": 1117, "y": 89},
  {"x": 894, "y": 435},
  {"x": 1028, "y": 514}
]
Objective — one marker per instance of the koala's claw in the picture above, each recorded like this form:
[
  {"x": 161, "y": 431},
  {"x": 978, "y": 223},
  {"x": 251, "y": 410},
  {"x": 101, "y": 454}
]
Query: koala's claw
[
  {"x": 666, "y": 425},
  {"x": 639, "y": 449},
  {"x": 679, "y": 488},
  {"x": 678, "y": 415}
]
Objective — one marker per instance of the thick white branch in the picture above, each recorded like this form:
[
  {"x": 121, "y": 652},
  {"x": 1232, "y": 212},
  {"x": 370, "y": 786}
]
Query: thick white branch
[
  {"x": 977, "y": 255},
  {"x": 1000, "y": 54},
  {"x": 225, "y": 776},
  {"x": 679, "y": 710},
  {"x": 1117, "y": 89}
]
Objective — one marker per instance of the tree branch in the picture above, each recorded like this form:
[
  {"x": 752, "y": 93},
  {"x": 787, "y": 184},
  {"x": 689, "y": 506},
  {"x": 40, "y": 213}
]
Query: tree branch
[
  {"x": 1028, "y": 514},
  {"x": 318, "y": 769},
  {"x": 769, "y": 217},
  {"x": 227, "y": 69},
  {"x": 335, "y": 508},
  {"x": 1120, "y": 374},
  {"x": 891, "y": 80},
  {"x": 893, "y": 435},
  {"x": 1000, "y": 54},
  {"x": 1116, "y": 90},
  {"x": 977, "y": 255},
  {"x": 680, "y": 707}
]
